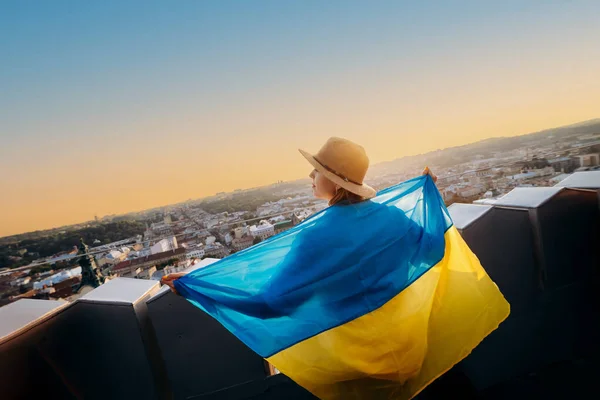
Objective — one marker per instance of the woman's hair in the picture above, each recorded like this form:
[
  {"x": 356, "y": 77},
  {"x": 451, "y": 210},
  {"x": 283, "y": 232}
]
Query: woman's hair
[{"x": 343, "y": 195}]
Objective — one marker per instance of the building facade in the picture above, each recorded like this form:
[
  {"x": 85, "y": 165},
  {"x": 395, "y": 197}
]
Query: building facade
[
  {"x": 283, "y": 226},
  {"x": 263, "y": 230},
  {"x": 128, "y": 268},
  {"x": 195, "y": 253},
  {"x": 242, "y": 243},
  {"x": 589, "y": 160},
  {"x": 163, "y": 245},
  {"x": 216, "y": 250}
]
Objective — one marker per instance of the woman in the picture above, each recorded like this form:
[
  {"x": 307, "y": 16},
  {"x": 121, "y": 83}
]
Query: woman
[
  {"x": 339, "y": 170},
  {"x": 372, "y": 298}
]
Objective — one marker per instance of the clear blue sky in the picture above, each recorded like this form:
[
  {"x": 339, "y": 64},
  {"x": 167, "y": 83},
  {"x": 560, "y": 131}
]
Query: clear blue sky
[{"x": 155, "y": 102}]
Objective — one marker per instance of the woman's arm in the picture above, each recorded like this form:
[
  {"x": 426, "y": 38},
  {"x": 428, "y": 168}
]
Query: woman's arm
[
  {"x": 427, "y": 171},
  {"x": 169, "y": 278}
]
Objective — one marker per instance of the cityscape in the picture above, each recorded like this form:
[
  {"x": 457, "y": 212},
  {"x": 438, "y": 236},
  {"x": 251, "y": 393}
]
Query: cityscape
[
  {"x": 54, "y": 264},
  {"x": 341, "y": 200}
]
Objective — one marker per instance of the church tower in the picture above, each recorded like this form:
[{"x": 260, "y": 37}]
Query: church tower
[{"x": 90, "y": 274}]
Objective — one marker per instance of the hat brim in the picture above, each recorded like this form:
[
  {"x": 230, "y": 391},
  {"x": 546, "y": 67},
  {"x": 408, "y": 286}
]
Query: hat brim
[{"x": 363, "y": 190}]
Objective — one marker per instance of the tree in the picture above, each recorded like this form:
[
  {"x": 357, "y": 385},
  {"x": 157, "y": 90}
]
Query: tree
[
  {"x": 256, "y": 240},
  {"x": 39, "y": 269},
  {"x": 171, "y": 261},
  {"x": 47, "y": 243},
  {"x": 162, "y": 266}
]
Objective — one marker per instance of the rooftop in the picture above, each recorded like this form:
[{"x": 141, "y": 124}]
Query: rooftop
[
  {"x": 465, "y": 214},
  {"x": 560, "y": 159},
  {"x": 29, "y": 312},
  {"x": 121, "y": 290},
  {"x": 529, "y": 197},
  {"x": 582, "y": 180}
]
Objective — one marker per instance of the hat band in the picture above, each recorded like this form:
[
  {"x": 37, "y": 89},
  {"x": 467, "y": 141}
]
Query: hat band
[{"x": 333, "y": 171}]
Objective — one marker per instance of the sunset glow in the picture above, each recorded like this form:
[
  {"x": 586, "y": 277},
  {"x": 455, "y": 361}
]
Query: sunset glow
[{"x": 111, "y": 108}]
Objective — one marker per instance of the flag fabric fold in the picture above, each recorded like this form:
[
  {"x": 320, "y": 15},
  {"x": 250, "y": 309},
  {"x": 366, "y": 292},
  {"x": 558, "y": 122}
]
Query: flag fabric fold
[{"x": 361, "y": 301}]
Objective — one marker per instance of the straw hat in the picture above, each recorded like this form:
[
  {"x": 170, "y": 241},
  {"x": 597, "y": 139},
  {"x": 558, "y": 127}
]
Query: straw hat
[{"x": 345, "y": 163}]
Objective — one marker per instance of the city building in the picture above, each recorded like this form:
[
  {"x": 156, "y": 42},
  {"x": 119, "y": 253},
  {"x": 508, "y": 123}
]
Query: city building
[
  {"x": 564, "y": 164},
  {"x": 57, "y": 278},
  {"x": 282, "y": 226},
  {"x": 146, "y": 273},
  {"x": 471, "y": 191},
  {"x": 164, "y": 245},
  {"x": 211, "y": 223},
  {"x": 137, "y": 247},
  {"x": 535, "y": 173},
  {"x": 128, "y": 268},
  {"x": 242, "y": 243},
  {"x": 65, "y": 289},
  {"x": 240, "y": 232},
  {"x": 195, "y": 253},
  {"x": 263, "y": 230},
  {"x": 216, "y": 250},
  {"x": 589, "y": 160},
  {"x": 300, "y": 216},
  {"x": 276, "y": 219},
  {"x": 111, "y": 258},
  {"x": 161, "y": 229},
  {"x": 21, "y": 281},
  {"x": 269, "y": 208}
]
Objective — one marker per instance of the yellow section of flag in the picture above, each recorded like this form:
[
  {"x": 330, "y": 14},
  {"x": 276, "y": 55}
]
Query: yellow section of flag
[{"x": 395, "y": 351}]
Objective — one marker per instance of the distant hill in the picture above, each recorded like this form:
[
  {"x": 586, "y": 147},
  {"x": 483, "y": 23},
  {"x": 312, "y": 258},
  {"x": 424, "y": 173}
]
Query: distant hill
[{"x": 453, "y": 155}]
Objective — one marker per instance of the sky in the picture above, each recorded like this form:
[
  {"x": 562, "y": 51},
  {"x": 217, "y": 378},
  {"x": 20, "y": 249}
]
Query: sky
[{"x": 109, "y": 107}]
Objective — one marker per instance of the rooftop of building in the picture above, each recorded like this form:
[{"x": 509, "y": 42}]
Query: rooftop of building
[{"x": 150, "y": 258}]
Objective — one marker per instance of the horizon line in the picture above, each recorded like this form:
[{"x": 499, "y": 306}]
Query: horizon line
[{"x": 574, "y": 124}]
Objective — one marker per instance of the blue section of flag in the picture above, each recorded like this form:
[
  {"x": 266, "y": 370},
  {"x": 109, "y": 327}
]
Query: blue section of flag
[{"x": 340, "y": 264}]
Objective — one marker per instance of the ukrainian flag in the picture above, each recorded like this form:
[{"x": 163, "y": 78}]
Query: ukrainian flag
[{"x": 362, "y": 301}]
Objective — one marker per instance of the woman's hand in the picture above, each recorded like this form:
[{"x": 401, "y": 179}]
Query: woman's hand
[
  {"x": 170, "y": 278},
  {"x": 427, "y": 171}
]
